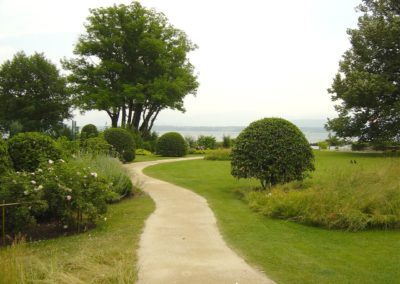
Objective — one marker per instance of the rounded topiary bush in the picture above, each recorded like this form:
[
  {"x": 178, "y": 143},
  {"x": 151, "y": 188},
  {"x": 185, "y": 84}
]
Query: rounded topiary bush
[
  {"x": 89, "y": 131},
  {"x": 122, "y": 142},
  {"x": 5, "y": 162},
  {"x": 28, "y": 149},
  {"x": 171, "y": 144},
  {"x": 272, "y": 150}
]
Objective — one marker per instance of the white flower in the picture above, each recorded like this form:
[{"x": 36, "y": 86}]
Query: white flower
[
  {"x": 26, "y": 192},
  {"x": 61, "y": 160},
  {"x": 93, "y": 174},
  {"x": 68, "y": 189},
  {"x": 40, "y": 170},
  {"x": 78, "y": 173},
  {"x": 65, "y": 227},
  {"x": 51, "y": 162},
  {"x": 105, "y": 218},
  {"x": 69, "y": 197},
  {"x": 14, "y": 181},
  {"x": 33, "y": 174},
  {"x": 40, "y": 187},
  {"x": 84, "y": 176},
  {"x": 33, "y": 182},
  {"x": 18, "y": 173}
]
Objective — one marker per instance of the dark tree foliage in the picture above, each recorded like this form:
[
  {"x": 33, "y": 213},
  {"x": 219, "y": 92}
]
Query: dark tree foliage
[
  {"x": 171, "y": 144},
  {"x": 272, "y": 150},
  {"x": 32, "y": 94},
  {"x": 131, "y": 63},
  {"x": 89, "y": 131},
  {"x": 207, "y": 142},
  {"x": 5, "y": 161},
  {"x": 368, "y": 83}
]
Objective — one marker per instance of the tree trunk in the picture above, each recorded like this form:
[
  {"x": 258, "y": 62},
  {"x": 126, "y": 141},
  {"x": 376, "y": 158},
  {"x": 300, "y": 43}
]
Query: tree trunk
[{"x": 137, "y": 115}]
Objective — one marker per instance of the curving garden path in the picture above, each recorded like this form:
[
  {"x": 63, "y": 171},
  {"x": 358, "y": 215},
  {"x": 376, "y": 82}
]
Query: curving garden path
[{"x": 181, "y": 242}]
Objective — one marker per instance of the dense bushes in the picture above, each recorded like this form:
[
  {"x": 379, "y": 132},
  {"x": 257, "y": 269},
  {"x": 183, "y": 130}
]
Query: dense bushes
[
  {"x": 89, "y": 131},
  {"x": 218, "y": 155},
  {"x": 5, "y": 162},
  {"x": 122, "y": 141},
  {"x": 207, "y": 142},
  {"x": 28, "y": 149},
  {"x": 272, "y": 150},
  {"x": 171, "y": 144},
  {"x": 96, "y": 146}
]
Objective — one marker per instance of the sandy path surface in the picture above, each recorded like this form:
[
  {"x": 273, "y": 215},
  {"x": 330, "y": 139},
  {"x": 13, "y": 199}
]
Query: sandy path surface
[{"x": 181, "y": 242}]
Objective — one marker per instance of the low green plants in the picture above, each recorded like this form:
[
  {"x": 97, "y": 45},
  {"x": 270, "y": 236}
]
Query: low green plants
[
  {"x": 207, "y": 142},
  {"x": 272, "y": 150},
  {"x": 323, "y": 145},
  {"x": 226, "y": 141},
  {"x": 96, "y": 146},
  {"x": 122, "y": 142},
  {"x": 27, "y": 150},
  {"x": 5, "y": 161},
  {"x": 171, "y": 144},
  {"x": 143, "y": 152},
  {"x": 69, "y": 148},
  {"x": 218, "y": 155},
  {"x": 89, "y": 131}
]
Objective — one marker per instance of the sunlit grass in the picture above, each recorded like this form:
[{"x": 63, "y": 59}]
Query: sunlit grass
[{"x": 287, "y": 251}]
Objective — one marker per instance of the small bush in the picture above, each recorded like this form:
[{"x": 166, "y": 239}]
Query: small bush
[
  {"x": 218, "y": 155},
  {"x": 95, "y": 146},
  {"x": 122, "y": 142},
  {"x": 89, "y": 131},
  {"x": 68, "y": 148},
  {"x": 171, "y": 144},
  {"x": 5, "y": 161},
  {"x": 359, "y": 146},
  {"x": 28, "y": 149},
  {"x": 207, "y": 142},
  {"x": 322, "y": 145},
  {"x": 143, "y": 152},
  {"x": 272, "y": 150},
  {"x": 226, "y": 142}
]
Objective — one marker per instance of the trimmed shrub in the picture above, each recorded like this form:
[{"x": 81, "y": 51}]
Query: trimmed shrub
[
  {"x": 89, "y": 131},
  {"x": 171, "y": 144},
  {"x": 28, "y": 149},
  {"x": 5, "y": 161},
  {"x": 207, "y": 142},
  {"x": 122, "y": 142},
  {"x": 272, "y": 150},
  {"x": 143, "y": 152},
  {"x": 226, "y": 142}
]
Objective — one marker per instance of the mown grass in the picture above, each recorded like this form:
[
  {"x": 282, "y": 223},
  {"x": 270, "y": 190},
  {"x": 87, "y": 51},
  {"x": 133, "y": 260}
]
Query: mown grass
[
  {"x": 289, "y": 252},
  {"x": 106, "y": 254}
]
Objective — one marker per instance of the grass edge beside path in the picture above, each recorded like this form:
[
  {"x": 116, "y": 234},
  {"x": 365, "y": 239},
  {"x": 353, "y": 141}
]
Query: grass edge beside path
[
  {"x": 106, "y": 254},
  {"x": 286, "y": 251}
]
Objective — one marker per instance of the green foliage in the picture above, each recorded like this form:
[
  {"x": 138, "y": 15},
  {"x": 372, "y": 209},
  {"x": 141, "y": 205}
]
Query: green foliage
[
  {"x": 359, "y": 146},
  {"x": 143, "y": 152},
  {"x": 68, "y": 148},
  {"x": 28, "y": 149},
  {"x": 96, "y": 146},
  {"x": 207, "y": 142},
  {"x": 191, "y": 142},
  {"x": 142, "y": 65},
  {"x": 346, "y": 195},
  {"x": 272, "y": 150},
  {"x": 218, "y": 155},
  {"x": 323, "y": 145},
  {"x": 89, "y": 131},
  {"x": 226, "y": 142},
  {"x": 122, "y": 142},
  {"x": 33, "y": 94},
  {"x": 5, "y": 161},
  {"x": 368, "y": 84},
  {"x": 171, "y": 144}
]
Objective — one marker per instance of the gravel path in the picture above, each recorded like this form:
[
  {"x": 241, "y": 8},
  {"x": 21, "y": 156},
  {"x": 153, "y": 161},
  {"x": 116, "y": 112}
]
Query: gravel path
[{"x": 181, "y": 242}]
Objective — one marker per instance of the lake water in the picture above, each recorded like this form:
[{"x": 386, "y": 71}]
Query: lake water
[{"x": 313, "y": 134}]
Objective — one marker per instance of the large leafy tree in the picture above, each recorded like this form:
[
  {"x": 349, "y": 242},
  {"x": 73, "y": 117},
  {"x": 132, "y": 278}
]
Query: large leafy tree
[
  {"x": 32, "y": 94},
  {"x": 368, "y": 83},
  {"x": 131, "y": 63}
]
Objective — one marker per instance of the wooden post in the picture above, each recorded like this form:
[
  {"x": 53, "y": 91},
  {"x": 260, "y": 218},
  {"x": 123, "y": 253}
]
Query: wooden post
[{"x": 3, "y": 229}]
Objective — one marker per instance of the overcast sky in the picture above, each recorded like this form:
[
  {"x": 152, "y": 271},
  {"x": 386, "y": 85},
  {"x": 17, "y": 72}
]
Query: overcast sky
[{"x": 256, "y": 58}]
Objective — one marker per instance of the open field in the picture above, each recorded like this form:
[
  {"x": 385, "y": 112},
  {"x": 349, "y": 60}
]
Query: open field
[
  {"x": 289, "y": 252},
  {"x": 106, "y": 254}
]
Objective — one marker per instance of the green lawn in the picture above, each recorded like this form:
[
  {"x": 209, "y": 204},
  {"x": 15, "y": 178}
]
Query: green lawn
[
  {"x": 106, "y": 254},
  {"x": 286, "y": 251}
]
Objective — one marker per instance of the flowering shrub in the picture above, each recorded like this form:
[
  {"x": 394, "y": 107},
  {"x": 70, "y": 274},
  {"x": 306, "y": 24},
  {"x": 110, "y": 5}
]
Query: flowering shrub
[{"x": 28, "y": 149}]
